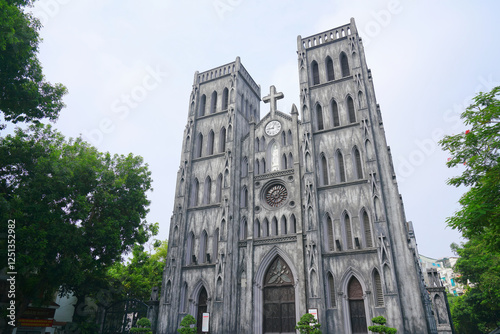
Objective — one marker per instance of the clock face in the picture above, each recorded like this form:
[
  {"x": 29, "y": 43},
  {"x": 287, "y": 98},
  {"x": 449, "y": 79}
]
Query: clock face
[{"x": 273, "y": 128}]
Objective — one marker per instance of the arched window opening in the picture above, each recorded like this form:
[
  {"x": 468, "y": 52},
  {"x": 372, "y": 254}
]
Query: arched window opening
[
  {"x": 331, "y": 292},
  {"x": 203, "y": 247},
  {"x": 194, "y": 192},
  {"x": 344, "y": 65},
  {"x": 203, "y": 104},
  {"x": 256, "y": 229},
  {"x": 243, "y": 229},
  {"x": 315, "y": 73},
  {"x": 379, "y": 296},
  {"x": 293, "y": 224},
  {"x": 262, "y": 166},
  {"x": 348, "y": 231},
  {"x": 199, "y": 146},
  {"x": 263, "y": 144},
  {"x": 319, "y": 117},
  {"x": 210, "y": 143},
  {"x": 283, "y": 161},
  {"x": 283, "y": 138},
  {"x": 244, "y": 197},
  {"x": 265, "y": 228},
  {"x": 387, "y": 278},
  {"x": 213, "y": 104},
  {"x": 358, "y": 169},
  {"x": 257, "y": 144},
  {"x": 283, "y": 225},
  {"x": 218, "y": 189},
  {"x": 256, "y": 167},
  {"x": 290, "y": 160},
  {"x": 324, "y": 171},
  {"x": 244, "y": 167},
  {"x": 218, "y": 289},
  {"x": 360, "y": 100},
  {"x": 335, "y": 114},
  {"x": 176, "y": 236},
  {"x": 329, "y": 228},
  {"x": 314, "y": 284},
  {"x": 226, "y": 178},
  {"x": 202, "y": 306},
  {"x": 222, "y": 140},
  {"x": 274, "y": 226},
  {"x": 340, "y": 167},
  {"x": 367, "y": 229},
  {"x": 225, "y": 99},
  {"x": 289, "y": 140},
  {"x": 329, "y": 69},
  {"x": 207, "y": 191},
  {"x": 190, "y": 258},
  {"x": 350, "y": 110},
  {"x": 184, "y": 298},
  {"x": 215, "y": 245}
]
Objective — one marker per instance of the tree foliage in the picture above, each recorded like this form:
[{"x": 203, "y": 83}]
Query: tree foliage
[
  {"x": 76, "y": 211},
  {"x": 380, "y": 326},
  {"x": 143, "y": 326},
  {"x": 24, "y": 93},
  {"x": 187, "y": 325},
  {"x": 479, "y": 217},
  {"x": 308, "y": 325}
]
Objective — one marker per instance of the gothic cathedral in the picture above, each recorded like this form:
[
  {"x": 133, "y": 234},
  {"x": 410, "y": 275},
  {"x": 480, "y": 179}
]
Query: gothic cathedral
[{"x": 289, "y": 213}]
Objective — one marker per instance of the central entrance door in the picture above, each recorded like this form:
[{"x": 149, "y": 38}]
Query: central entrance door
[
  {"x": 202, "y": 308},
  {"x": 279, "y": 298},
  {"x": 357, "y": 307}
]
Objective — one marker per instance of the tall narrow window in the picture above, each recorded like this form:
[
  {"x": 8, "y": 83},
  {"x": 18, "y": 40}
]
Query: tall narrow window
[
  {"x": 218, "y": 189},
  {"x": 315, "y": 72},
  {"x": 256, "y": 167},
  {"x": 283, "y": 225},
  {"x": 190, "y": 249},
  {"x": 207, "y": 190},
  {"x": 329, "y": 229},
  {"x": 257, "y": 144},
  {"x": 283, "y": 161},
  {"x": 335, "y": 114},
  {"x": 194, "y": 192},
  {"x": 331, "y": 291},
  {"x": 243, "y": 229},
  {"x": 283, "y": 138},
  {"x": 265, "y": 228},
  {"x": 340, "y": 167},
  {"x": 225, "y": 99},
  {"x": 256, "y": 229},
  {"x": 203, "y": 104},
  {"x": 350, "y": 110},
  {"x": 215, "y": 245},
  {"x": 319, "y": 117},
  {"x": 344, "y": 65},
  {"x": 274, "y": 226},
  {"x": 324, "y": 171},
  {"x": 289, "y": 138},
  {"x": 244, "y": 197},
  {"x": 262, "y": 166},
  {"x": 293, "y": 224},
  {"x": 184, "y": 298},
  {"x": 202, "y": 257},
  {"x": 348, "y": 231},
  {"x": 290, "y": 160},
  {"x": 210, "y": 143},
  {"x": 379, "y": 296},
  {"x": 213, "y": 104},
  {"x": 367, "y": 229},
  {"x": 329, "y": 69},
  {"x": 357, "y": 164},
  {"x": 222, "y": 140},
  {"x": 244, "y": 167},
  {"x": 262, "y": 144},
  {"x": 199, "y": 146}
]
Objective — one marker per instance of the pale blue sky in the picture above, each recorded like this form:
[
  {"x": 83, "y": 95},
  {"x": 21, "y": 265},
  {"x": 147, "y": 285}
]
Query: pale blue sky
[{"x": 129, "y": 67}]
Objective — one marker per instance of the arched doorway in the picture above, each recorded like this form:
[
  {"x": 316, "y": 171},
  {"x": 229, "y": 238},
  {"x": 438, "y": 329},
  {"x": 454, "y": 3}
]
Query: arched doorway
[
  {"x": 356, "y": 307},
  {"x": 202, "y": 307},
  {"x": 279, "y": 298}
]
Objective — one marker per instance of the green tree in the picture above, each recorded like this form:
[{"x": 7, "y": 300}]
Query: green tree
[
  {"x": 308, "y": 325},
  {"x": 479, "y": 217},
  {"x": 187, "y": 325},
  {"x": 144, "y": 326},
  {"x": 380, "y": 326},
  {"x": 76, "y": 211},
  {"x": 142, "y": 272},
  {"x": 24, "y": 93}
]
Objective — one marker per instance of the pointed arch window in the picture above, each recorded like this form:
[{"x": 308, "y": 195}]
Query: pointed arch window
[
  {"x": 358, "y": 169},
  {"x": 377, "y": 282},
  {"x": 367, "y": 229},
  {"x": 244, "y": 197},
  {"x": 256, "y": 144},
  {"x": 256, "y": 167},
  {"x": 323, "y": 170},
  {"x": 262, "y": 144},
  {"x": 283, "y": 138},
  {"x": 256, "y": 229},
  {"x": 203, "y": 104},
  {"x": 290, "y": 160},
  {"x": 360, "y": 99},
  {"x": 210, "y": 143},
  {"x": 265, "y": 228},
  {"x": 319, "y": 117},
  {"x": 243, "y": 229},
  {"x": 329, "y": 69},
  {"x": 190, "y": 249},
  {"x": 283, "y": 161},
  {"x": 184, "y": 298},
  {"x": 348, "y": 231},
  {"x": 289, "y": 138},
  {"x": 293, "y": 224},
  {"x": 222, "y": 140},
  {"x": 350, "y": 110},
  {"x": 203, "y": 247},
  {"x": 215, "y": 245},
  {"x": 213, "y": 104},
  {"x": 315, "y": 72},
  {"x": 262, "y": 166},
  {"x": 225, "y": 99},
  {"x": 207, "y": 190},
  {"x": 194, "y": 192},
  {"x": 340, "y": 167},
  {"x": 218, "y": 189},
  {"x": 335, "y": 113},
  {"x": 199, "y": 146},
  {"x": 344, "y": 65},
  {"x": 244, "y": 167},
  {"x": 274, "y": 226},
  {"x": 331, "y": 292},
  {"x": 329, "y": 228},
  {"x": 283, "y": 225}
]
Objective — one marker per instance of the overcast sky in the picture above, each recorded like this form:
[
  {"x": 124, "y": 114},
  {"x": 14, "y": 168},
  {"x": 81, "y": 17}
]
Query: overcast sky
[{"x": 129, "y": 67}]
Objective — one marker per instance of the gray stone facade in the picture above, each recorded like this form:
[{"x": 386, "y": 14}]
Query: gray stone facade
[{"x": 278, "y": 215}]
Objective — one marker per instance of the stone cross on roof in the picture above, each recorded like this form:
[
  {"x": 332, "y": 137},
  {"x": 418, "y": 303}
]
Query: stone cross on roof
[{"x": 272, "y": 97}]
